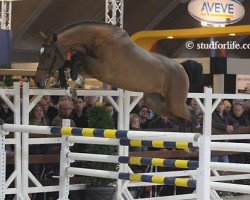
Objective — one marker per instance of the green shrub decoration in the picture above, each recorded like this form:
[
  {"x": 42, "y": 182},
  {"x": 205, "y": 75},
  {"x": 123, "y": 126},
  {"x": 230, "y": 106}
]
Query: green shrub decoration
[{"x": 99, "y": 118}]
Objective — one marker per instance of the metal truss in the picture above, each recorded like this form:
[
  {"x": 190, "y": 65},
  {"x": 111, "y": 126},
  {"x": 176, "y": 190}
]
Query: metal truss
[
  {"x": 114, "y": 12},
  {"x": 6, "y": 12}
]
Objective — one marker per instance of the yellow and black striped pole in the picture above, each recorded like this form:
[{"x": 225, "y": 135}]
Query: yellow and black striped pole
[
  {"x": 174, "y": 163},
  {"x": 88, "y": 132},
  {"x": 182, "y": 182},
  {"x": 157, "y": 144},
  {"x": 119, "y": 134}
]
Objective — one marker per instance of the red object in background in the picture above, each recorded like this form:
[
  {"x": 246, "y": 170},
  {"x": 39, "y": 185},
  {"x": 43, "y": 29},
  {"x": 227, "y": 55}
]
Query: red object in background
[
  {"x": 222, "y": 52},
  {"x": 68, "y": 56}
]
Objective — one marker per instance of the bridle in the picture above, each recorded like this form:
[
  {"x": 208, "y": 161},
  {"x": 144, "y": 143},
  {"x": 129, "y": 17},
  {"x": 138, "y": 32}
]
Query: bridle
[{"x": 56, "y": 52}]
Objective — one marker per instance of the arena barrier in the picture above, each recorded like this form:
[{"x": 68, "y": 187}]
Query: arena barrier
[
  {"x": 142, "y": 177},
  {"x": 205, "y": 188}
]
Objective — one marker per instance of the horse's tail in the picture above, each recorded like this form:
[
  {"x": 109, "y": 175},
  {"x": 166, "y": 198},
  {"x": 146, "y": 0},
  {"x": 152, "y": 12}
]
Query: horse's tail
[{"x": 194, "y": 71}]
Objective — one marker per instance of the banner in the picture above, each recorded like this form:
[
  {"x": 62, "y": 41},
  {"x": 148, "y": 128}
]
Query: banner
[{"x": 5, "y": 48}]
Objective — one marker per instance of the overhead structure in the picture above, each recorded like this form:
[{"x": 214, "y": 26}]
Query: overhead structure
[
  {"x": 6, "y": 13},
  {"x": 114, "y": 12},
  {"x": 146, "y": 39}
]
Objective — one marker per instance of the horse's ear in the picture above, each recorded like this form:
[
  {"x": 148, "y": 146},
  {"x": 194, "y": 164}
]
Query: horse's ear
[
  {"x": 43, "y": 36},
  {"x": 54, "y": 37}
]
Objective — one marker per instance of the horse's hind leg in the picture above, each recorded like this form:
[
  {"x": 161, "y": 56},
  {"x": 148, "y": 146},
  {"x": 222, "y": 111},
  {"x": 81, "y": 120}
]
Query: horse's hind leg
[{"x": 157, "y": 103}]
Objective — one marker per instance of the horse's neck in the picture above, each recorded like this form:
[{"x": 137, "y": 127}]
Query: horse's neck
[{"x": 80, "y": 38}]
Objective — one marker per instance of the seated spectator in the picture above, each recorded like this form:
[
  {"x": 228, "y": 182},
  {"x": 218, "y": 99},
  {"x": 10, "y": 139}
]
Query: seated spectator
[
  {"x": 239, "y": 115},
  {"x": 64, "y": 98},
  {"x": 40, "y": 171},
  {"x": 199, "y": 121},
  {"x": 134, "y": 122},
  {"x": 64, "y": 112},
  {"x": 79, "y": 114},
  {"x": 193, "y": 107},
  {"x": 223, "y": 121},
  {"x": 37, "y": 118},
  {"x": 160, "y": 122},
  {"x": 227, "y": 105},
  {"x": 91, "y": 101},
  {"x": 144, "y": 114},
  {"x": 50, "y": 112},
  {"x": 112, "y": 113},
  {"x": 6, "y": 114}
]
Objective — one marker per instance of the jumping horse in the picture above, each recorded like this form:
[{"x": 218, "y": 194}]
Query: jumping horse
[{"x": 109, "y": 55}]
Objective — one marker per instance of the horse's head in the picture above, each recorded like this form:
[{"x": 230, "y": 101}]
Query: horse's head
[{"x": 50, "y": 60}]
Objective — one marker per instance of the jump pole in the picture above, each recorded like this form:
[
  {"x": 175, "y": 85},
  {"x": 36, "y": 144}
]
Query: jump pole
[{"x": 106, "y": 133}]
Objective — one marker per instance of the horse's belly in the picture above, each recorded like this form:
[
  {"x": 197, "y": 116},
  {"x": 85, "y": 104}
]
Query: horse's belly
[{"x": 137, "y": 84}]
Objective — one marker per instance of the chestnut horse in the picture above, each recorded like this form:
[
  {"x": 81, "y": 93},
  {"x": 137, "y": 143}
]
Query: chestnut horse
[{"x": 110, "y": 56}]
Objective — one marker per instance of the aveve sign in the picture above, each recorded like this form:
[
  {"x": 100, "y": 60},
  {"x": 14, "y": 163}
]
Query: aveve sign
[{"x": 222, "y": 12}]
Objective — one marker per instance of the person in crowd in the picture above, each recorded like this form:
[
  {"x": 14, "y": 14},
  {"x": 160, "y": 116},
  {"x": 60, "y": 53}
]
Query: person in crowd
[
  {"x": 112, "y": 113},
  {"x": 247, "y": 108},
  {"x": 36, "y": 118},
  {"x": 50, "y": 111},
  {"x": 161, "y": 122},
  {"x": 239, "y": 114},
  {"x": 6, "y": 114},
  {"x": 134, "y": 121},
  {"x": 64, "y": 112},
  {"x": 79, "y": 113},
  {"x": 40, "y": 171},
  {"x": 193, "y": 107},
  {"x": 91, "y": 102},
  {"x": 143, "y": 114},
  {"x": 64, "y": 98},
  {"x": 227, "y": 105},
  {"x": 199, "y": 120},
  {"x": 223, "y": 121}
]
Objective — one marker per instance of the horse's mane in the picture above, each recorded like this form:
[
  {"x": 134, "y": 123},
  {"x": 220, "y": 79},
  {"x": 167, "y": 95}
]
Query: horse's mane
[{"x": 77, "y": 23}]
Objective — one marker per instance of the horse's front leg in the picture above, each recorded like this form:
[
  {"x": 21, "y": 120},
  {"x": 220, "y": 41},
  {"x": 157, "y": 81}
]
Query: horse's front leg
[
  {"x": 62, "y": 79},
  {"x": 70, "y": 91}
]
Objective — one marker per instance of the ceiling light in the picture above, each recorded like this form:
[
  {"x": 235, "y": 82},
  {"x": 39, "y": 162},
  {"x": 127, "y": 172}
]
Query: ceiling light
[
  {"x": 170, "y": 37},
  {"x": 231, "y": 34}
]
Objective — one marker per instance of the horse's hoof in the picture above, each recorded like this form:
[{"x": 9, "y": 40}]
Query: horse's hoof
[
  {"x": 74, "y": 93},
  {"x": 70, "y": 92}
]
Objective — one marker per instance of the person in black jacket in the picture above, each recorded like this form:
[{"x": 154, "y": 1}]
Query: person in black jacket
[
  {"x": 79, "y": 114},
  {"x": 222, "y": 120}
]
